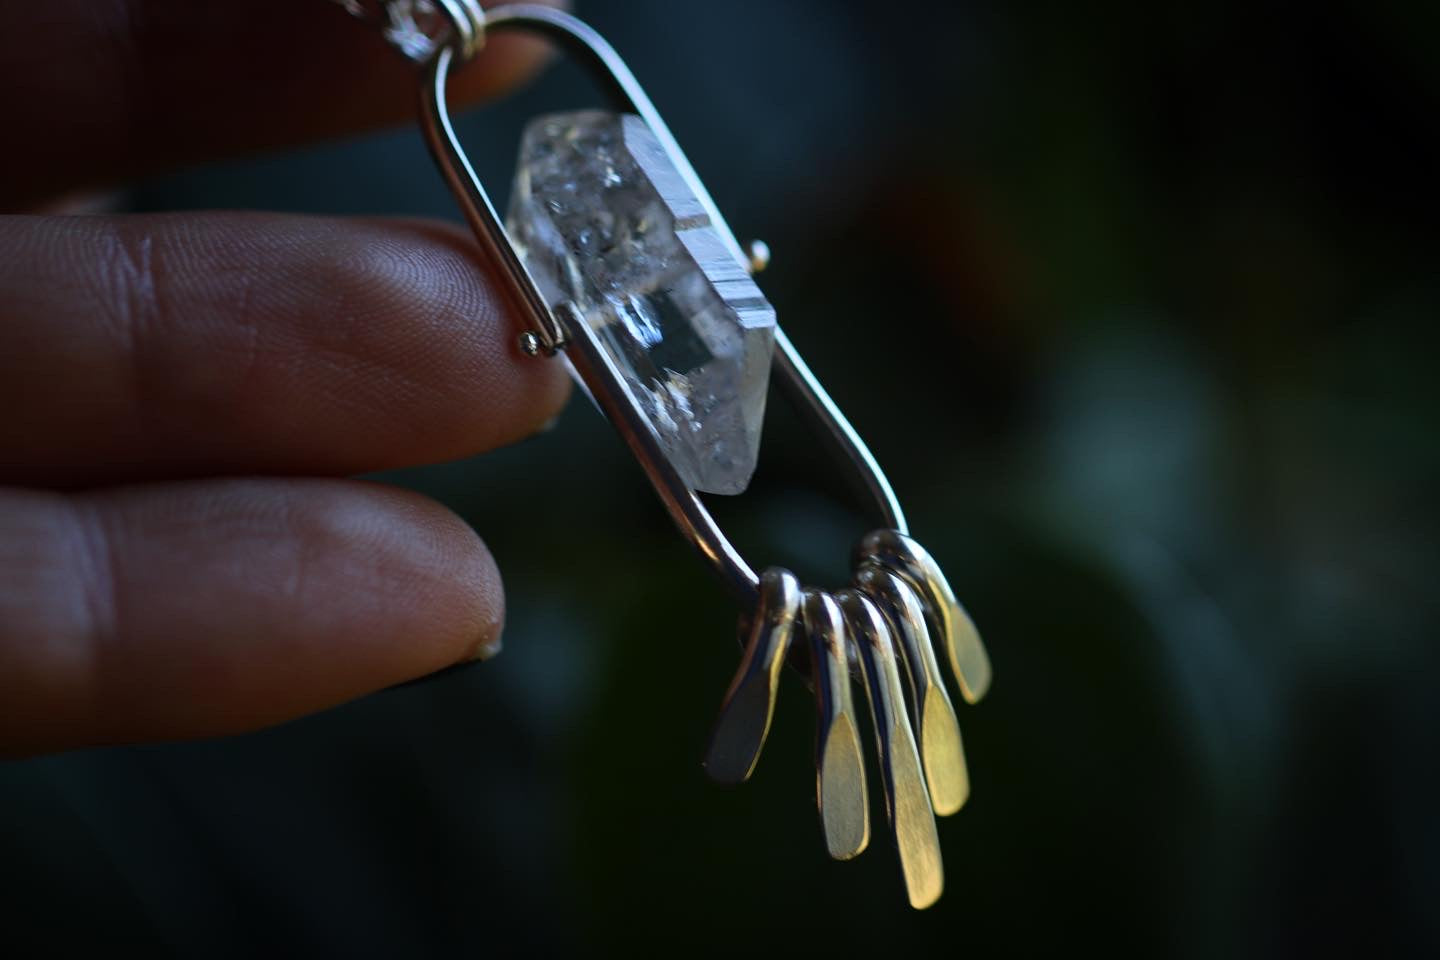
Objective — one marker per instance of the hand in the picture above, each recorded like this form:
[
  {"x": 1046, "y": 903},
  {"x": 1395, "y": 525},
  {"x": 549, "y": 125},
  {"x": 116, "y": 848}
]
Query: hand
[{"x": 176, "y": 390}]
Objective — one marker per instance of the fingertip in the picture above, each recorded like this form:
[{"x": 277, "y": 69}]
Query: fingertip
[
  {"x": 214, "y": 608},
  {"x": 430, "y": 566}
]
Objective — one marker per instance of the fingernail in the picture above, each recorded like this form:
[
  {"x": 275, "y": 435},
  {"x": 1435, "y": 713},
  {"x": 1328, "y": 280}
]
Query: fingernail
[{"x": 488, "y": 648}]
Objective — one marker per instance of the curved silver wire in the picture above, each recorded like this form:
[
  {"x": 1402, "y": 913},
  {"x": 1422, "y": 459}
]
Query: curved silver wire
[{"x": 555, "y": 326}]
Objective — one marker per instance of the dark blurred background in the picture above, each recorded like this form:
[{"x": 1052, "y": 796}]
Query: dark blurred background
[{"x": 1136, "y": 312}]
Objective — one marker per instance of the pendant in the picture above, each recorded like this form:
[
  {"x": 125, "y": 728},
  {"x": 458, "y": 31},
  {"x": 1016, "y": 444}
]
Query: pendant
[{"x": 622, "y": 266}]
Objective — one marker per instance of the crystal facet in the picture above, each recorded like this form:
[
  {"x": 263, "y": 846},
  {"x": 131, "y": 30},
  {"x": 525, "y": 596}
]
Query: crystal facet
[{"x": 603, "y": 219}]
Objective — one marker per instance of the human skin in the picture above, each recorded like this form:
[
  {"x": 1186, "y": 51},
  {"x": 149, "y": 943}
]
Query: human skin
[{"x": 184, "y": 397}]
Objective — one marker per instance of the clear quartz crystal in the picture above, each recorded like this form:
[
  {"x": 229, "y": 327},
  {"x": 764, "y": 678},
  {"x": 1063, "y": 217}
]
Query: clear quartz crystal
[{"x": 602, "y": 218}]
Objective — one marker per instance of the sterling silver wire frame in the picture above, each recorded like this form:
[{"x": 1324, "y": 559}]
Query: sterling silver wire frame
[{"x": 557, "y": 326}]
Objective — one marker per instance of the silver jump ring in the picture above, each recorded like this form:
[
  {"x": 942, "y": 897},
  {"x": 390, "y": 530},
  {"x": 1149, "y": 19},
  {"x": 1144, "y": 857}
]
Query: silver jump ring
[{"x": 467, "y": 21}]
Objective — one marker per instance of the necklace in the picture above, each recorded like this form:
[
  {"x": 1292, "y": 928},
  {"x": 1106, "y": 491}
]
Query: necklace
[{"x": 618, "y": 260}]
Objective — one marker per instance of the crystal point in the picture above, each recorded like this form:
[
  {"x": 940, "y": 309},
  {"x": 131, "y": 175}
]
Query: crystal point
[{"x": 603, "y": 219}]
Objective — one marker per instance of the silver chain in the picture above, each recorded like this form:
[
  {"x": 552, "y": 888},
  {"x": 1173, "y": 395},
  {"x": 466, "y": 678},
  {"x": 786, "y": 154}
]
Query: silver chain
[{"x": 419, "y": 28}]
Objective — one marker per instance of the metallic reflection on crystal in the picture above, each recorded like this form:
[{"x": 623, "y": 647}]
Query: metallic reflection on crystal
[{"x": 602, "y": 218}]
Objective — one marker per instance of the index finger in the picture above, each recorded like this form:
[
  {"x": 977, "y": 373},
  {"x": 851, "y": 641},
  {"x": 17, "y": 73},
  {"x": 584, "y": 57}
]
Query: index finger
[{"x": 100, "y": 92}]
